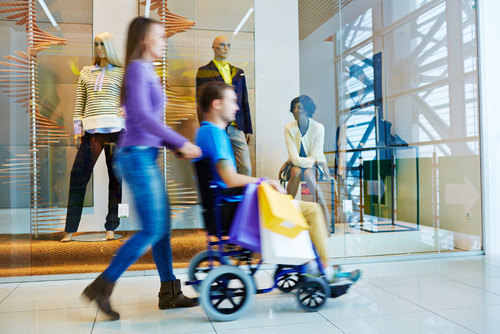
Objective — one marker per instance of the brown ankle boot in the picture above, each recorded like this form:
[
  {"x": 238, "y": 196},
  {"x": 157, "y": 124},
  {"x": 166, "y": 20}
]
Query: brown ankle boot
[
  {"x": 171, "y": 296},
  {"x": 100, "y": 290}
]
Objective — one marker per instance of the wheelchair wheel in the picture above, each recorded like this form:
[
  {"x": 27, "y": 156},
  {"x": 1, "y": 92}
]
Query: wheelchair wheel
[
  {"x": 227, "y": 293},
  {"x": 313, "y": 293},
  {"x": 200, "y": 266},
  {"x": 287, "y": 282}
]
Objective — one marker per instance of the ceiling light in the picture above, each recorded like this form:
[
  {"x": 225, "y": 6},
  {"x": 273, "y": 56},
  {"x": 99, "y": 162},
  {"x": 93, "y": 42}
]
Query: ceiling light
[
  {"x": 247, "y": 15},
  {"x": 148, "y": 8},
  {"x": 47, "y": 12}
]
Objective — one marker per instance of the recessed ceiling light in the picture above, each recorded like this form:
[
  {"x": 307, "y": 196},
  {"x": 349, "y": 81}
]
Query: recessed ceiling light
[
  {"x": 245, "y": 18},
  {"x": 47, "y": 12}
]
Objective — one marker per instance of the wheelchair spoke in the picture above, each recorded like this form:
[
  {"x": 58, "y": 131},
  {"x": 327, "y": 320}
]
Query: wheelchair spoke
[
  {"x": 232, "y": 302},
  {"x": 216, "y": 305},
  {"x": 304, "y": 299}
]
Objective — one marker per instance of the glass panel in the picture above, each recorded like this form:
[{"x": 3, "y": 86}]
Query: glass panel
[
  {"x": 15, "y": 238},
  {"x": 187, "y": 51},
  {"x": 398, "y": 85}
]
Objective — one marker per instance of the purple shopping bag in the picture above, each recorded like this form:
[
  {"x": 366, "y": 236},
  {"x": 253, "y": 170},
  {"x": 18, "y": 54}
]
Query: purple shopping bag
[{"x": 245, "y": 228}]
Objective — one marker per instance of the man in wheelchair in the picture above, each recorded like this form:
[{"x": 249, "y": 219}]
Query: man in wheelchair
[{"x": 218, "y": 102}]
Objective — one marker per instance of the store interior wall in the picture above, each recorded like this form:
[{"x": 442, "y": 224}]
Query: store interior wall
[{"x": 277, "y": 70}]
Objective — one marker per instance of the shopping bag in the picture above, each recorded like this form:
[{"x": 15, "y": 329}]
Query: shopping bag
[
  {"x": 278, "y": 213},
  {"x": 244, "y": 229},
  {"x": 279, "y": 249}
]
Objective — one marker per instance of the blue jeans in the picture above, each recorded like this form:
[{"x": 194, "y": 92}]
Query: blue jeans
[{"x": 137, "y": 165}]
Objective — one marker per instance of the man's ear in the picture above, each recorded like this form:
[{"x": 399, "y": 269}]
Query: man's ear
[{"x": 216, "y": 104}]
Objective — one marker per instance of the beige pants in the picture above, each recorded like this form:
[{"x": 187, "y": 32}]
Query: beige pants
[{"x": 317, "y": 227}]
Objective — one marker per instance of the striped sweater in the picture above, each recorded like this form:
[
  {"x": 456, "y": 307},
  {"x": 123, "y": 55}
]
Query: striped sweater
[{"x": 98, "y": 101}]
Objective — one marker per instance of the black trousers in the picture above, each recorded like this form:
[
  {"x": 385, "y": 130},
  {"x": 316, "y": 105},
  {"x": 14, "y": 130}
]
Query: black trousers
[{"x": 90, "y": 149}]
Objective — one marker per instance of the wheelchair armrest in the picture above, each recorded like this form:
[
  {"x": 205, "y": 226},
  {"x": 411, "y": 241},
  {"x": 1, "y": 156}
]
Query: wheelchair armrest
[{"x": 232, "y": 191}]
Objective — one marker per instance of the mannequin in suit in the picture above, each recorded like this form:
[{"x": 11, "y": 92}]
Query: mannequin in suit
[
  {"x": 240, "y": 130},
  {"x": 306, "y": 161}
]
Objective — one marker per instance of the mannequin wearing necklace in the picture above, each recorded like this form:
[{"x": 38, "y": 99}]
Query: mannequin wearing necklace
[{"x": 98, "y": 122}]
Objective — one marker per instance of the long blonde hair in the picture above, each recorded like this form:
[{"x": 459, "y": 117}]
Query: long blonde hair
[{"x": 110, "y": 46}]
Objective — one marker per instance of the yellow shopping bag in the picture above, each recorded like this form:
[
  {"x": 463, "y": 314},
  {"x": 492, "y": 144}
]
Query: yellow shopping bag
[{"x": 278, "y": 213}]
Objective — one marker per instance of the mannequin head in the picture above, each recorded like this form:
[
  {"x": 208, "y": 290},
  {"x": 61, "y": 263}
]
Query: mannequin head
[
  {"x": 302, "y": 107},
  {"x": 221, "y": 47},
  {"x": 105, "y": 47}
]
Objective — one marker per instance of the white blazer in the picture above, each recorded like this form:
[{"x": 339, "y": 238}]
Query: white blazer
[{"x": 313, "y": 144}]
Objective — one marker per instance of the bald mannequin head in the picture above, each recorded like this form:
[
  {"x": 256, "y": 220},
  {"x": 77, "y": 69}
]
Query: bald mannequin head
[{"x": 221, "y": 47}]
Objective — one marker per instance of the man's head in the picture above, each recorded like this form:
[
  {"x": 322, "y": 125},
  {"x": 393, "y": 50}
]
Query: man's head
[
  {"x": 218, "y": 101},
  {"x": 221, "y": 47}
]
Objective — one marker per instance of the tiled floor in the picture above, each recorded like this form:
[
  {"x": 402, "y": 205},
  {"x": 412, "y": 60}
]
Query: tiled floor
[{"x": 454, "y": 295}]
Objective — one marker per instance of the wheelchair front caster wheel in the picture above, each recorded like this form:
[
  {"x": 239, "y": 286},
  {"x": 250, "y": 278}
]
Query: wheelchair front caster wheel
[
  {"x": 313, "y": 293},
  {"x": 227, "y": 293},
  {"x": 286, "y": 282}
]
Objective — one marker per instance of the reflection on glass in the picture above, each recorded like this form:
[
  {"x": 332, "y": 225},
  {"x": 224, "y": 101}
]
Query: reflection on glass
[{"x": 399, "y": 85}]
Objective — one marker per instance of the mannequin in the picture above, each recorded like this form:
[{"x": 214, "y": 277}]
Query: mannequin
[
  {"x": 240, "y": 130},
  {"x": 98, "y": 122}
]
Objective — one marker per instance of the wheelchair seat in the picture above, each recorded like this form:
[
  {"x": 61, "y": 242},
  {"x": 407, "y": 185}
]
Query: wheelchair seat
[{"x": 209, "y": 192}]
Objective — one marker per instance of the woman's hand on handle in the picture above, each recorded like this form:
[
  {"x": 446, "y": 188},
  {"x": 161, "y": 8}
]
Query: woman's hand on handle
[{"x": 189, "y": 151}]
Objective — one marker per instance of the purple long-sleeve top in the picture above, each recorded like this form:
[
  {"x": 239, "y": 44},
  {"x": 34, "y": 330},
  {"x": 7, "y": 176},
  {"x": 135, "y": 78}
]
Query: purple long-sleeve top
[{"x": 144, "y": 103}]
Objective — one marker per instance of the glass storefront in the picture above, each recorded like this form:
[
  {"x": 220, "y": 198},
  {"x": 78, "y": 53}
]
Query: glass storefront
[{"x": 395, "y": 89}]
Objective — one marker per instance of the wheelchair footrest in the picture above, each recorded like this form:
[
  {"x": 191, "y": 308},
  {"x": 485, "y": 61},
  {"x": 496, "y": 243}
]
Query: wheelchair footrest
[{"x": 337, "y": 290}]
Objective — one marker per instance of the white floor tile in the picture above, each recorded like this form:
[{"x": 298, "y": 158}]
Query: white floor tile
[
  {"x": 458, "y": 270},
  {"x": 272, "y": 309},
  {"x": 482, "y": 319},
  {"x": 413, "y": 323},
  {"x": 491, "y": 260},
  {"x": 491, "y": 284},
  {"x": 74, "y": 321},
  {"x": 444, "y": 295},
  {"x": 366, "y": 300},
  {"x": 45, "y": 296},
  {"x": 394, "y": 273},
  {"x": 6, "y": 289},
  {"x": 384, "y": 269},
  {"x": 147, "y": 318},
  {"x": 406, "y": 279},
  {"x": 318, "y": 327},
  {"x": 462, "y": 293}
]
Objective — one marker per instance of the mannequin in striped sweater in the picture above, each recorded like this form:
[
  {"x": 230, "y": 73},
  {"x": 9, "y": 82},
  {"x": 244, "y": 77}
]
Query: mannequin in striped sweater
[{"x": 97, "y": 124}]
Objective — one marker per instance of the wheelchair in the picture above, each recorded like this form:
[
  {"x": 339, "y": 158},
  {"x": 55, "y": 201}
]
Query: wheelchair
[{"x": 226, "y": 291}]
